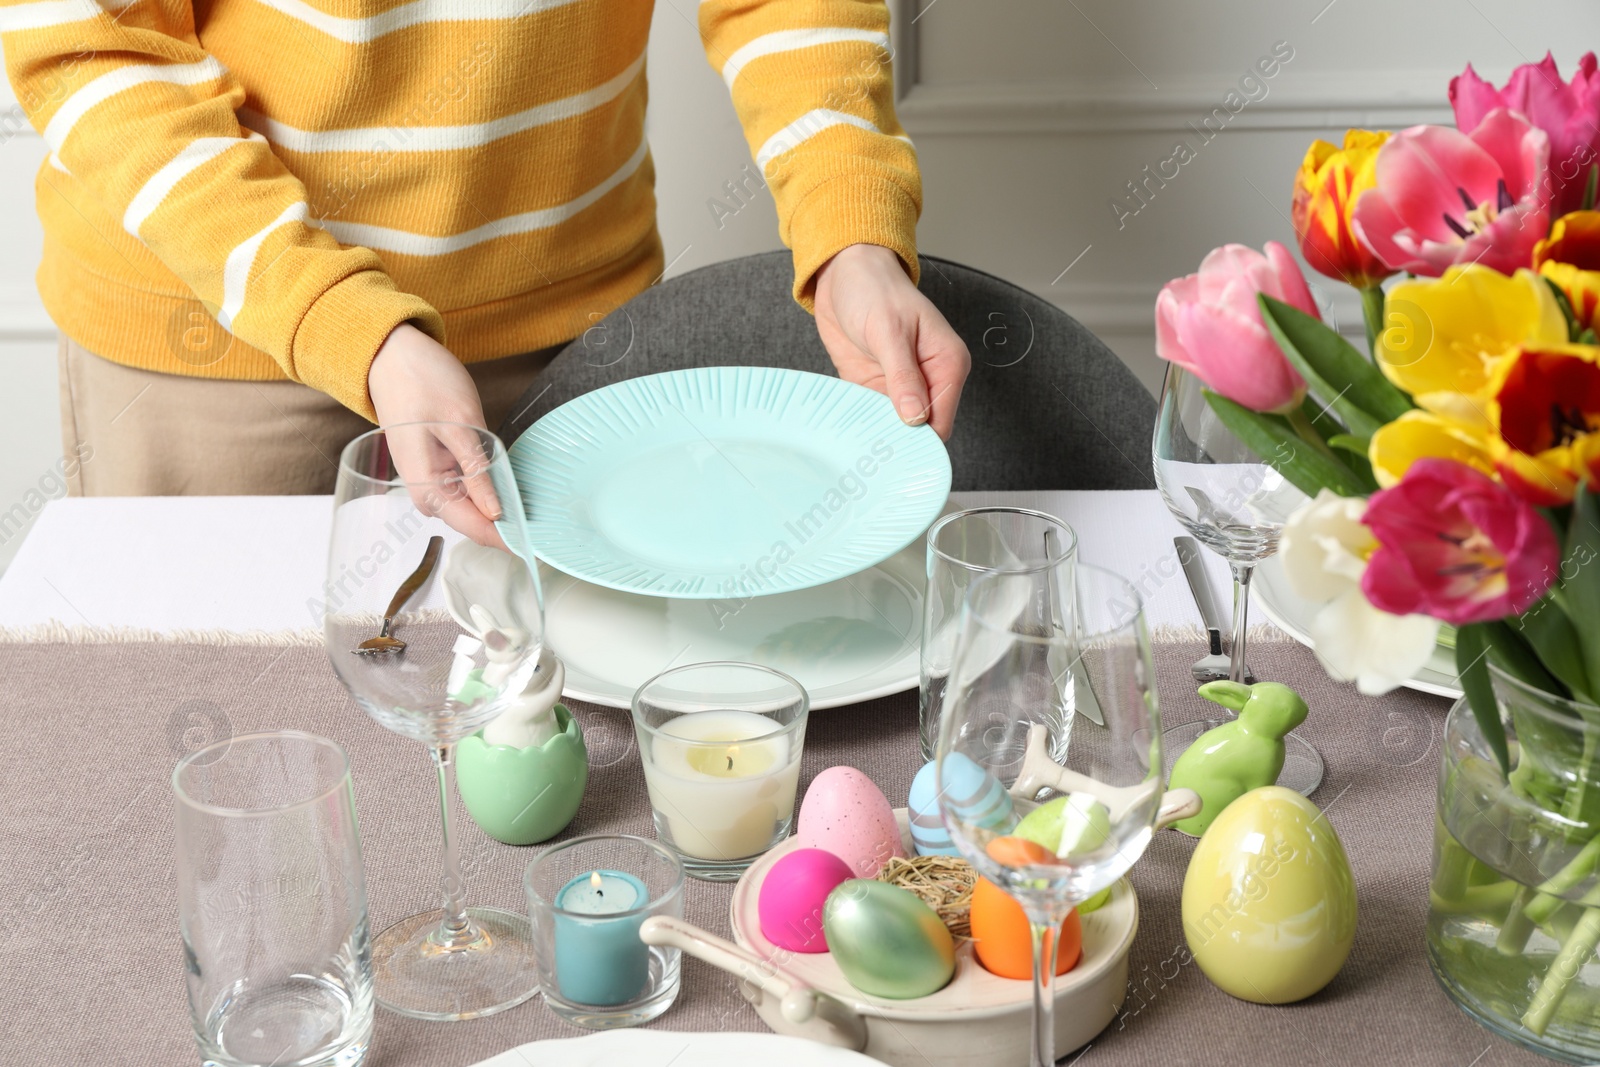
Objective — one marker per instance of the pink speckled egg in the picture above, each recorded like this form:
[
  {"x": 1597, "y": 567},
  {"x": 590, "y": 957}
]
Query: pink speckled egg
[
  {"x": 790, "y": 903},
  {"x": 846, "y": 814}
]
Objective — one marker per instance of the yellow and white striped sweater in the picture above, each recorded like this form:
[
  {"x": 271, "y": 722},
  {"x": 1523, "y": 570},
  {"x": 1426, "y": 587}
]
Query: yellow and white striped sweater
[{"x": 315, "y": 172}]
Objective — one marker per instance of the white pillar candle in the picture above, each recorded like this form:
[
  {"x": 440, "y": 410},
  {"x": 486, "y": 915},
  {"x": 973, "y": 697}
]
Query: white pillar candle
[{"x": 725, "y": 796}]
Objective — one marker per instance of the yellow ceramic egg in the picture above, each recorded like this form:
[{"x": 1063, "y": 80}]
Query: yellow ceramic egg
[{"x": 1269, "y": 903}]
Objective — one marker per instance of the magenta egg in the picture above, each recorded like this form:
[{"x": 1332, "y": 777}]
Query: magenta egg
[{"x": 791, "y": 898}]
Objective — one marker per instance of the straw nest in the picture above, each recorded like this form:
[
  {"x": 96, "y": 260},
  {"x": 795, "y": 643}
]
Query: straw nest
[{"x": 943, "y": 882}]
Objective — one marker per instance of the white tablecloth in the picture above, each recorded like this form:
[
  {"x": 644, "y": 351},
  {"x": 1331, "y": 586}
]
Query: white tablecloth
[{"x": 256, "y": 563}]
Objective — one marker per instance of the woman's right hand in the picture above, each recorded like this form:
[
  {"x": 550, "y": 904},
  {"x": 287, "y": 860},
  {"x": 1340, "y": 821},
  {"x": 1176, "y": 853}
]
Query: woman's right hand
[{"x": 416, "y": 379}]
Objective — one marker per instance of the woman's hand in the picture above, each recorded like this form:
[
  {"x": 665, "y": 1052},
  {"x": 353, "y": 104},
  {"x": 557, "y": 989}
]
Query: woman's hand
[
  {"x": 416, "y": 379},
  {"x": 885, "y": 335}
]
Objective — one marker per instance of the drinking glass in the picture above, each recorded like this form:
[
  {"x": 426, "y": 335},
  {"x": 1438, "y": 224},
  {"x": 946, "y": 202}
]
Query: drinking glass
[
  {"x": 273, "y": 903},
  {"x": 721, "y": 743},
  {"x": 587, "y": 899},
  {"x": 961, "y": 547},
  {"x": 1235, "y": 504},
  {"x": 453, "y": 962},
  {"x": 1002, "y": 693}
]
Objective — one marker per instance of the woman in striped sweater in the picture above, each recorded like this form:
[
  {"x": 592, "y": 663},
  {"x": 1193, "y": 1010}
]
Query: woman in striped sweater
[{"x": 405, "y": 205}]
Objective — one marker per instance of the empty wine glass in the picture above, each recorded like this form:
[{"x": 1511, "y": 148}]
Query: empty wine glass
[
  {"x": 1005, "y": 688},
  {"x": 418, "y": 673},
  {"x": 1235, "y": 504}
]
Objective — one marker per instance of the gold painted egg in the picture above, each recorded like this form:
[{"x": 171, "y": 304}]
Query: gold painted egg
[{"x": 1269, "y": 901}]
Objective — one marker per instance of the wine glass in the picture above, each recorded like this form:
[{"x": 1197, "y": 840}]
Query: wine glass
[
  {"x": 442, "y": 683},
  {"x": 1235, "y": 504},
  {"x": 1007, "y": 685}
]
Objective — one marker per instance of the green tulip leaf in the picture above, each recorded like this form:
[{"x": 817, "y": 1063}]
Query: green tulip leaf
[
  {"x": 1580, "y": 573},
  {"x": 1548, "y": 628},
  {"x": 1350, "y": 443},
  {"x": 1472, "y": 666},
  {"x": 1309, "y": 469},
  {"x": 1574, "y": 327},
  {"x": 1512, "y": 654},
  {"x": 1320, "y": 416},
  {"x": 1334, "y": 369}
]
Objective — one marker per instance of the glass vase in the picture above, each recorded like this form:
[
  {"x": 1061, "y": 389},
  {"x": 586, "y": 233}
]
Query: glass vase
[{"x": 1514, "y": 903}]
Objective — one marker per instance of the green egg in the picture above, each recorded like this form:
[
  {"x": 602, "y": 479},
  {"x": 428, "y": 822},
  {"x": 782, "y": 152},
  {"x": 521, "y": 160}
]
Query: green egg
[
  {"x": 1269, "y": 901},
  {"x": 887, "y": 941}
]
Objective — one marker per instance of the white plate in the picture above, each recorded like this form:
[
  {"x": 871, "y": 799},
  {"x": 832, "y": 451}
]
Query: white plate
[
  {"x": 1291, "y": 614},
  {"x": 659, "y": 1048},
  {"x": 847, "y": 641}
]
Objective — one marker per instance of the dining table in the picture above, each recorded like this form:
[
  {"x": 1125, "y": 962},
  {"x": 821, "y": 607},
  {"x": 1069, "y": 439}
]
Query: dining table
[{"x": 133, "y": 630}]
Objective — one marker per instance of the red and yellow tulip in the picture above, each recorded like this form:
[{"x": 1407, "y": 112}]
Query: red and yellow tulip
[
  {"x": 1331, "y": 179},
  {"x": 1570, "y": 257},
  {"x": 1535, "y": 425}
]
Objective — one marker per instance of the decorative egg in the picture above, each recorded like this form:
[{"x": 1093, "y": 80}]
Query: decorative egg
[
  {"x": 846, "y": 814},
  {"x": 1073, "y": 824},
  {"x": 886, "y": 941},
  {"x": 975, "y": 793},
  {"x": 792, "y": 895},
  {"x": 1019, "y": 852},
  {"x": 1003, "y": 940},
  {"x": 1269, "y": 902}
]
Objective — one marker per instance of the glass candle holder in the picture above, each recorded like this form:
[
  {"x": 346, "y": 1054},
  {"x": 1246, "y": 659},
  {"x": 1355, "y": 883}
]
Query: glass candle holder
[
  {"x": 721, "y": 748},
  {"x": 587, "y": 899}
]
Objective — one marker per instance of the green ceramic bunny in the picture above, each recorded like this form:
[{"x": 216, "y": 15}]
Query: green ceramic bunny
[{"x": 1228, "y": 761}]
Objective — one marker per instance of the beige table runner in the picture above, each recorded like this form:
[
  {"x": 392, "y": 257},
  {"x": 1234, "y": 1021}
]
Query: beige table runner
[{"x": 90, "y": 964}]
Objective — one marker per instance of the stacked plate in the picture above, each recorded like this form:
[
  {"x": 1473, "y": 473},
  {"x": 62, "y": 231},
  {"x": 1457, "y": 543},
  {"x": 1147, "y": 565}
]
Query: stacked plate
[{"x": 745, "y": 513}]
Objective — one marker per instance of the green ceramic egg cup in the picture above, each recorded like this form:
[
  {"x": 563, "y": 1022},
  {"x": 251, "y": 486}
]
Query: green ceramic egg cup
[{"x": 521, "y": 796}]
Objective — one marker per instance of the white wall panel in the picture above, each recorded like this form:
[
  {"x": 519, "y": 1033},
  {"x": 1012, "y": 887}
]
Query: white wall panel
[{"x": 1029, "y": 117}]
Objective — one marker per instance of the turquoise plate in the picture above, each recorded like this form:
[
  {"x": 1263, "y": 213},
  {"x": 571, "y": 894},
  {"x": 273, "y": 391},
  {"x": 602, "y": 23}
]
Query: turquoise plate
[{"x": 721, "y": 483}]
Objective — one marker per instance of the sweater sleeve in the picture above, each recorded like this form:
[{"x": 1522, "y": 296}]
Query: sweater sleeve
[
  {"x": 133, "y": 108},
  {"x": 812, "y": 85}
]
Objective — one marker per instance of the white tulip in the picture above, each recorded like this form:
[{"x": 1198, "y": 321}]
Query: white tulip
[{"x": 1324, "y": 549}]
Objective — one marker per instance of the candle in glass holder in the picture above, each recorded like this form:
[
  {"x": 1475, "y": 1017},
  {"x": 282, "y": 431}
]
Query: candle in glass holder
[
  {"x": 599, "y": 957},
  {"x": 726, "y": 789}
]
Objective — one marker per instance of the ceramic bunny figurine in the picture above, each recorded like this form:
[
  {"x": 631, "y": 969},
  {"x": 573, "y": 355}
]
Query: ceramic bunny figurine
[
  {"x": 485, "y": 591},
  {"x": 1228, "y": 761},
  {"x": 531, "y": 718}
]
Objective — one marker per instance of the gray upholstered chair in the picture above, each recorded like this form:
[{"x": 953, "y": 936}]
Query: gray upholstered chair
[{"x": 1047, "y": 406}]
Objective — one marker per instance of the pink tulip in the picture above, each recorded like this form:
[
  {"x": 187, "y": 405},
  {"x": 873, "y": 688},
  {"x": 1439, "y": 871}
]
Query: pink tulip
[
  {"x": 1444, "y": 197},
  {"x": 1210, "y": 324},
  {"x": 1455, "y": 544},
  {"x": 1569, "y": 112}
]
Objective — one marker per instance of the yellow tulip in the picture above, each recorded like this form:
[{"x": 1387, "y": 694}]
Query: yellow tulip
[
  {"x": 1570, "y": 257},
  {"x": 1426, "y": 434},
  {"x": 1447, "y": 334}
]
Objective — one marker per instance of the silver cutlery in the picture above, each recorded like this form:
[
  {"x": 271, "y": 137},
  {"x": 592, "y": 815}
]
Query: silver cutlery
[{"x": 1213, "y": 666}]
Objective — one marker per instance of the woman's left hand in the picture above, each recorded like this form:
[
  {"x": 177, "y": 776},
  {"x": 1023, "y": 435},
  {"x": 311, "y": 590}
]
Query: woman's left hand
[{"x": 882, "y": 333}]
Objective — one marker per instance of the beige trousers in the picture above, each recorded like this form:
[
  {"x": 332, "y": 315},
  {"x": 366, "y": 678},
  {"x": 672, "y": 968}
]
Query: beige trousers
[{"x": 130, "y": 432}]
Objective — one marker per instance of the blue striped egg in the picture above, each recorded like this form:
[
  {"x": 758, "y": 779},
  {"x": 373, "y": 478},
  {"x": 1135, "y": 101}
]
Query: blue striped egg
[{"x": 969, "y": 789}]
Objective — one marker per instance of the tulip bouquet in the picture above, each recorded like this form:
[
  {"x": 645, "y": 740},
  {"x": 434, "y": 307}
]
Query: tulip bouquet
[{"x": 1454, "y": 467}]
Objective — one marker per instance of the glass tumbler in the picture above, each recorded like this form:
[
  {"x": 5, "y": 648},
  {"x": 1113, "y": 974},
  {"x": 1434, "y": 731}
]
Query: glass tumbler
[
  {"x": 961, "y": 547},
  {"x": 721, "y": 743},
  {"x": 587, "y": 899},
  {"x": 273, "y": 903}
]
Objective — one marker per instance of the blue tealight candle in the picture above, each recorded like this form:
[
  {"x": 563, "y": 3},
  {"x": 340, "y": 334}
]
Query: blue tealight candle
[{"x": 600, "y": 959}]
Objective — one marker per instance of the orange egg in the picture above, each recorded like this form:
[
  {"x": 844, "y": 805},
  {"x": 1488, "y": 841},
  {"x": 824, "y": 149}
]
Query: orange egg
[
  {"x": 1003, "y": 940},
  {"x": 1018, "y": 852}
]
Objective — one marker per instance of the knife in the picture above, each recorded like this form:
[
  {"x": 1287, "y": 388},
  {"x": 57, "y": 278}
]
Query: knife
[{"x": 1214, "y": 665}]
